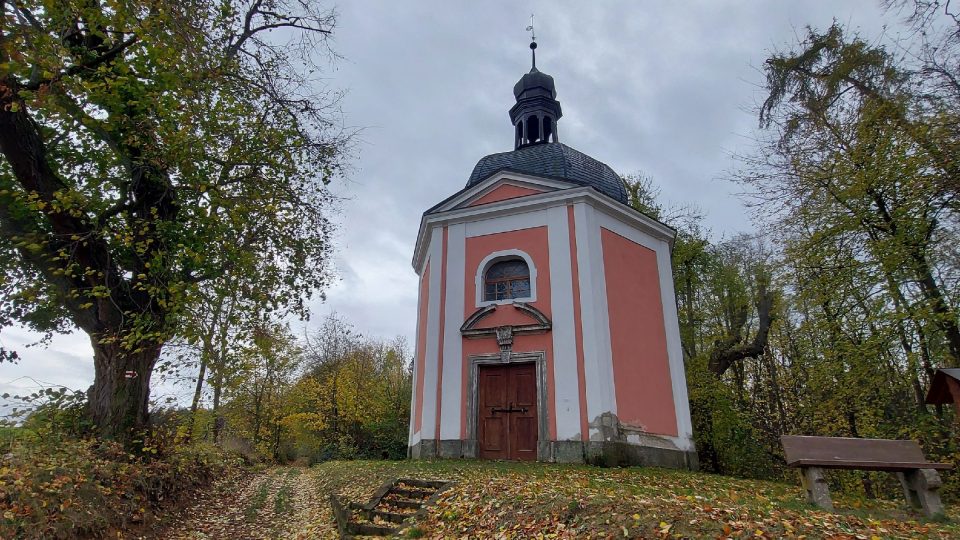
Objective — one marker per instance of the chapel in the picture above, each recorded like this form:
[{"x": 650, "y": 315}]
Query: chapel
[{"x": 547, "y": 323}]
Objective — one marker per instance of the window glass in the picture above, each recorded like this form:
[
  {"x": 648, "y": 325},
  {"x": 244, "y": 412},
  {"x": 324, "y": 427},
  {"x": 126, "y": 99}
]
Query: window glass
[
  {"x": 506, "y": 280},
  {"x": 521, "y": 288}
]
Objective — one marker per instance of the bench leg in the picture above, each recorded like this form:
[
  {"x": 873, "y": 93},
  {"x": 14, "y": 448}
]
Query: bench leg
[
  {"x": 921, "y": 488},
  {"x": 815, "y": 484}
]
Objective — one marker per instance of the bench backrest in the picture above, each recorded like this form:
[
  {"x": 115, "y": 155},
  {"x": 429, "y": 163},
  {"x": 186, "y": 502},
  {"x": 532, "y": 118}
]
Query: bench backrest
[{"x": 843, "y": 450}]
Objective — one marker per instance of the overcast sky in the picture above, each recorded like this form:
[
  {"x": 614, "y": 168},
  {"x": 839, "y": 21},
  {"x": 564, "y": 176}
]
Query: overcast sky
[{"x": 663, "y": 88}]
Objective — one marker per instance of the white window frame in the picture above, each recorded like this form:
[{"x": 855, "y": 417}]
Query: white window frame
[{"x": 496, "y": 257}]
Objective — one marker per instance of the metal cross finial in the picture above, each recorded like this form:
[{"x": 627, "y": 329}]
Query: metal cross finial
[{"x": 533, "y": 43}]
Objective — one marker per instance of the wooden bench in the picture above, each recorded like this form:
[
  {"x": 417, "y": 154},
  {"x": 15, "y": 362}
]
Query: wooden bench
[{"x": 812, "y": 455}]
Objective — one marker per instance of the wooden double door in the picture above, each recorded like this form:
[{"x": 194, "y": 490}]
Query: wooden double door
[{"x": 507, "y": 415}]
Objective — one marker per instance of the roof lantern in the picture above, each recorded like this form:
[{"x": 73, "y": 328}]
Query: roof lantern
[
  {"x": 537, "y": 110},
  {"x": 537, "y": 150}
]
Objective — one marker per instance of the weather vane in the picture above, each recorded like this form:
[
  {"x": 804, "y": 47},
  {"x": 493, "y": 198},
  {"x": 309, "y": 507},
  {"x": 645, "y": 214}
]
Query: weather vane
[{"x": 533, "y": 43}]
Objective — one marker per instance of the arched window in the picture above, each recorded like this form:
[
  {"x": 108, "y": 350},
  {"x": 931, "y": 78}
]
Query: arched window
[
  {"x": 506, "y": 279},
  {"x": 533, "y": 128}
]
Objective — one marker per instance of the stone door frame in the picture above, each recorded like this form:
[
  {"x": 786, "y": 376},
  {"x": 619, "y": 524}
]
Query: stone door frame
[{"x": 539, "y": 359}]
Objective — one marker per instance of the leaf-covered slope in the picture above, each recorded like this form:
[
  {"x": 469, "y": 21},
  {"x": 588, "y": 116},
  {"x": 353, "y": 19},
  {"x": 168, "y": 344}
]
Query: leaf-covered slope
[
  {"x": 512, "y": 500},
  {"x": 565, "y": 501}
]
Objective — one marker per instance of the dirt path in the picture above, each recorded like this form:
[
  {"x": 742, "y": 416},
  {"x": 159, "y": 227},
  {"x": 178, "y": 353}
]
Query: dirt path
[{"x": 280, "y": 502}]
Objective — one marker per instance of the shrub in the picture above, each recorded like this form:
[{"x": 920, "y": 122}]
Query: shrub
[{"x": 87, "y": 488}]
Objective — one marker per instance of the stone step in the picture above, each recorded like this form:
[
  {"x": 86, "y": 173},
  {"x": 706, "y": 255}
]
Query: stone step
[
  {"x": 393, "y": 503},
  {"x": 392, "y": 517},
  {"x": 404, "y": 503},
  {"x": 412, "y": 493},
  {"x": 370, "y": 529},
  {"x": 414, "y": 482}
]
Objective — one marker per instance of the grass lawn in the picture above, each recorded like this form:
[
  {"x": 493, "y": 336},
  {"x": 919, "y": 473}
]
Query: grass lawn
[{"x": 514, "y": 500}]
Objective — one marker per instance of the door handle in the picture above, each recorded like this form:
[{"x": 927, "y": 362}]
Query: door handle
[{"x": 510, "y": 409}]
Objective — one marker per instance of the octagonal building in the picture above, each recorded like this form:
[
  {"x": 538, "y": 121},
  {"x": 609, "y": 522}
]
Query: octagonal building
[{"x": 547, "y": 323}]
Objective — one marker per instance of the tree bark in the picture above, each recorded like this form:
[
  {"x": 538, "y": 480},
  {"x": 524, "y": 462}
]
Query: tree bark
[
  {"x": 120, "y": 395},
  {"x": 732, "y": 349},
  {"x": 864, "y": 475},
  {"x": 197, "y": 394},
  {"x": 946, "y": 318},
  {"x": 218, "y": 421},
  {"x": 691, "y": 345}
]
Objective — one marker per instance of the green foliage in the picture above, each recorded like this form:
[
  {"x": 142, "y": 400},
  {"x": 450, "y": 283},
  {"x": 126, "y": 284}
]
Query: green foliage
[
  {"x": 339, "y": 394},
  {"x": 356, "y": 392},
  {"x": 719, "y": 287},
  {"x": 354, "y": 398},
  {"x": 726, "y": 439},
  {"x": 182, "y": 152},
  {"x": 858, "y": 272},
  {"x": 52, "y": 413},
  {"x": 858, "y": 196}
]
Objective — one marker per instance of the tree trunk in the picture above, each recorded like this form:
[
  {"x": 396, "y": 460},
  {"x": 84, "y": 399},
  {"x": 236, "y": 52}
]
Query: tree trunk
[
  {"x": 690, "y": 346},
  {"x": 946, "y": 319},
  {"x": 731, "y": 348},
  {"x": 256, "y": 414},
  {"x": 120, "y": 395},
  {"x": 864, "y": 475},
  {"x": 198, "y": 391},
  {"x": 197, "y": 394},
  {"x": 218, "y": 421},
  {"x": 776, "y": 396}
]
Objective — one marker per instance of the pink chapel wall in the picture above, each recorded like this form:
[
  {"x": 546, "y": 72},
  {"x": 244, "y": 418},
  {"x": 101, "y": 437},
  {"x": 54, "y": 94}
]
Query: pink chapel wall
[
  {"x": 534, "y": 242},
  {"x": 504, "y": 192},
  {"x": 638, "y": 336}
]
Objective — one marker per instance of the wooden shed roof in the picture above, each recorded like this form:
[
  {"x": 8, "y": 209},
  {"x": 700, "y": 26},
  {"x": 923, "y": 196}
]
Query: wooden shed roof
[{"x": 940, "y": 387}]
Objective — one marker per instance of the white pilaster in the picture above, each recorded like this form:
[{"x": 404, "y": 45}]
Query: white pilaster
[
  {"x": 678, "y": 377},
  {"x": 451, "y": 399},
  {"x": 598, "y": 361},
  {"x": 566, "y": 389},
  {"x": 430, "y": 359},
  {"x": 414, "y": 437}
]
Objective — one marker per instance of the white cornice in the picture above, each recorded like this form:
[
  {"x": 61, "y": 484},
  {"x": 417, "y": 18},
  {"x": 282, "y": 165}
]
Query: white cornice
[{"x": 530, "y": 203}]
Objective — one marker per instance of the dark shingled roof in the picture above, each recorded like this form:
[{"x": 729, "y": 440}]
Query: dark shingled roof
[{"x": 553, "y": 160}]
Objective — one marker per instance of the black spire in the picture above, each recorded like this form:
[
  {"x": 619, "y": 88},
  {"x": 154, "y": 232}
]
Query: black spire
[{"x": 537, "y": 110}]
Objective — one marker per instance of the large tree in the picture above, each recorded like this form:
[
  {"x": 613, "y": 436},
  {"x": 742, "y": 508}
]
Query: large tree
[
  {"x": 152, "y": 147},
  {"x": 863, "y": 151}
]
